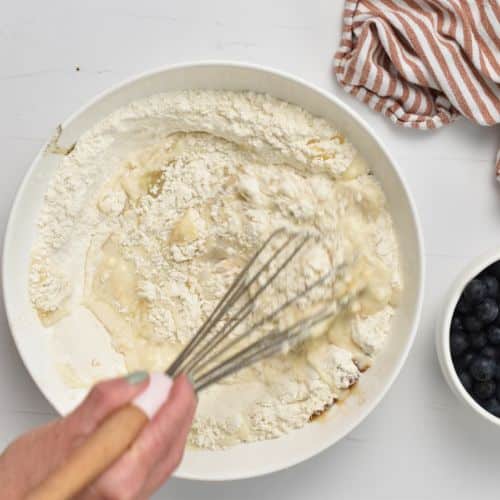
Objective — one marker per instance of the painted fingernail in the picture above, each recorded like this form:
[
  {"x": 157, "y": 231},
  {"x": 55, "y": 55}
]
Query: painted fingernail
[
  {"x": 191, "y": 381},
  {"x": 137, "y": 377},
  {"x": 190, "y": 378}
]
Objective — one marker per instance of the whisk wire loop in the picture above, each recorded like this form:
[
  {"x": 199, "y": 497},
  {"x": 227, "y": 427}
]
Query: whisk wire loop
[{"x": 214, "y": 352}]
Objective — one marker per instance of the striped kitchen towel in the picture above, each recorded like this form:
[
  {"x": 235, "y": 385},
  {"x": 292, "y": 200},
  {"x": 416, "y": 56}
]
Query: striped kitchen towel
[{"x": 423, "y": 63}]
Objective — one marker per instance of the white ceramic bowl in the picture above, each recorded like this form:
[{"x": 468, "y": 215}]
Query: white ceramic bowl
[
  {"x": 443, "y": 332},
  {"x": 250, "y": 459}
]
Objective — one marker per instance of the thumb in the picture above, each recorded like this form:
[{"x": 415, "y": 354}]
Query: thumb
[{"x": 103, "y": 399}]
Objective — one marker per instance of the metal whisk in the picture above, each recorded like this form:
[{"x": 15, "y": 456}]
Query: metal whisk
[{"x": 217, "y": 350}]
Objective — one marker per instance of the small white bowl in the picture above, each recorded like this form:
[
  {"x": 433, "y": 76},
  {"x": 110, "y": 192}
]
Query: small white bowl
[{"x": 443, "y": 332}]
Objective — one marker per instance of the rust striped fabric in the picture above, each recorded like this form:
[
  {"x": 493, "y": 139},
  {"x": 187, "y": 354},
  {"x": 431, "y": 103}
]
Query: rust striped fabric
[{"x": 423, "y": 63}]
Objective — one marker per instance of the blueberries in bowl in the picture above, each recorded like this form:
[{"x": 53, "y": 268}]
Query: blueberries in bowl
[
  {"x": 489, "y": 351},
  {"x": 491, "y": 284},
  {"x": 493, "y": 406},
  {"x": 487, "y": 311},
  {"x": 478, "y": 340},
  {"x": 472, "y": 324},
  {"x": 494, "y": 269},
  {"x": 484, "y": 390},
  {"x": 463, "y": 362},
  {"x": 459, "y": 343},
  {"x": 494, "y": 335},
  {"x": 475, "y": 291},
  {"x": 483, "y": 369},
  {"x": 456, "y": 324},
  {"x": 475, "y": 339},
  {"x": 463, "y": 307},
  {"x": 466, "y": 380}
]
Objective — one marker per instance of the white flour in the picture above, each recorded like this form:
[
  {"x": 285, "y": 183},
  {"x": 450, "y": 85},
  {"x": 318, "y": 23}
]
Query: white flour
[{"x": 149, "y": 219}]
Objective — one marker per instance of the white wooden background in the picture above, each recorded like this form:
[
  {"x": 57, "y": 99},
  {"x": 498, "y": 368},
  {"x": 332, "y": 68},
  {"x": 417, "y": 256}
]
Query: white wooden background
[{"x": 419, "y": 443}]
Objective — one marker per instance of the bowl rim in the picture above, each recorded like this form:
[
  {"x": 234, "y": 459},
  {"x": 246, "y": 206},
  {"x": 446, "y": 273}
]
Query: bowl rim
[
  {"x": 476, "y": 266},
  {"x": 353, "y": 115}
]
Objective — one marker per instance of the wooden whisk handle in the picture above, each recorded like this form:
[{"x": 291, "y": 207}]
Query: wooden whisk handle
[
  {"x": 98, "y": 452},
  {"x": 110, "y": 440}
]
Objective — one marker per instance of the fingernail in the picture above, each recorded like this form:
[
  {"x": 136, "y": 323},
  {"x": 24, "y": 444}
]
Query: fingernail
[
  {"x": 191, "y": 381},
  {"x": 137, "y": 377},
  {"x": 190, "y": 378}
]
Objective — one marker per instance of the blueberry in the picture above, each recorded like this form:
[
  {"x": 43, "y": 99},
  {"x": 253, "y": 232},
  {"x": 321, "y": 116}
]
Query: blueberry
[
  {"x": 493, "y": 406},
  {"x": 462, "y": 362},
  {"x": 487, "y": 311},
  {"x": 475, "y": 291},
  {"x": 488, "y": 352},
  {"x": 494, "y": 334},
  {"x": 494, "y": 269},
  {"x": 456, "y": 323},
  {"x": 478, "y": 341},
  {"x": 468, "y": 358},
  {"x": 497, "y": 373},
  {"x": 458, "y": 343},
  {"x": 491, "y": 284},
  {"x": 484, "y": 390},
  {"x": 472, "y": 324},
  {"x": 466, "y": 380},
  {"x": 482, "y": 369},
  {"x": 463, "y": 306}
]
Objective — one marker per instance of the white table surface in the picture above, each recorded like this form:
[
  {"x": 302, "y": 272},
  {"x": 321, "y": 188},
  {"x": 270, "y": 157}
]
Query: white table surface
[{"x": 420, "y": 442}]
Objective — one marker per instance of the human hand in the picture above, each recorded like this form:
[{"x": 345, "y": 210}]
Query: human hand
[{"x": 150, "y": 460}]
